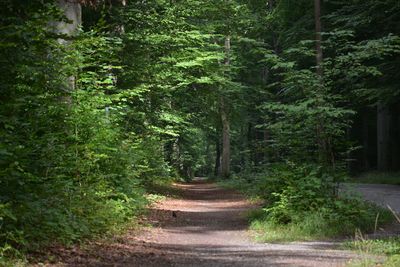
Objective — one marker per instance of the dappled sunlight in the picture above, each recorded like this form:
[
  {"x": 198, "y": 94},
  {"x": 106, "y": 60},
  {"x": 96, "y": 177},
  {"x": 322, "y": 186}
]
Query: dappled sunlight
[{"x": 176, "y": 133}]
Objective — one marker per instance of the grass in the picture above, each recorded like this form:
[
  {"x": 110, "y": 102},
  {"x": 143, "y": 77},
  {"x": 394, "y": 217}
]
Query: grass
[
  {"x": 389, "y": 247},
  {"x": 339, "y": 219},
  {"x": 268, "y": 232},
  {"x": 158, "y": 190},
  {"x": 307, "y": 230},
  {"x": 249, "y": 190},
  {"x": 378, "y": 178},
  {"x": 12, "y": 263},
  {"x": 312, "y": 225}
]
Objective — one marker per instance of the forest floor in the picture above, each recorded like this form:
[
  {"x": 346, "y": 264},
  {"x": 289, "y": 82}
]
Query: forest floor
[{"x": 205, "y": 226}]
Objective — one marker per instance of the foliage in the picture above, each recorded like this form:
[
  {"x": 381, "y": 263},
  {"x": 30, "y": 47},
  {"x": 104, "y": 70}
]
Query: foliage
[
  {"x": 378, "y": 178},
  {"x": 304, "y": 116},
  {"x": 300, "y": 205},
  {"x": 91, "y": 122},
  {"x": 68, "y": 171}
]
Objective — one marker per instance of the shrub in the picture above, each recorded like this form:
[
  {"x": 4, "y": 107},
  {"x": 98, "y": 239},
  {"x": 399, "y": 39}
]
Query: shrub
[{"x": 301, "y": 202}]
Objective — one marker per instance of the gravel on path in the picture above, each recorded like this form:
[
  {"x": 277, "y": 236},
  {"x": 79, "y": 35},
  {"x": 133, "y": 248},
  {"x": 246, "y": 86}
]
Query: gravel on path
[{"x": 206, "y": 227}]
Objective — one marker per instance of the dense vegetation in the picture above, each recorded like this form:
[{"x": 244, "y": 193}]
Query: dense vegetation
[{"x": 102, "y": 99}]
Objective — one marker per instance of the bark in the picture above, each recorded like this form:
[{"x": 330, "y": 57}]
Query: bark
[
  {"x": 226, "y": 146},
  {"x": 270, "y": 4},
  {"x": 217, "y": 158},
  {"x": 326, "y": 154},
  {"x": 169, "y": 152},
  {"x": 244, "y": 146},
  {"x": 226, "y": 149},
  {"x": 121, "y": 28},
  {"x": 365, "y": 140},
  {"x": 177, "y": 152},
  {"x": 250, "y": 141},
  {"x": 383, "y": 135},
  {"x": 395, "y": 127},
  {"x": 318, "y": 37},
  {"x": 259, "y": 147},
  {"x": 73, "y": 12},
  {"x": 266, "y": 140}
]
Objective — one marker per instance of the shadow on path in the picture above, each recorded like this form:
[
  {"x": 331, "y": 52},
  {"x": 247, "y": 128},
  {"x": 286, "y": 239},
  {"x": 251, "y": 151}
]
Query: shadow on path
[{"x": 207, "y": 226}]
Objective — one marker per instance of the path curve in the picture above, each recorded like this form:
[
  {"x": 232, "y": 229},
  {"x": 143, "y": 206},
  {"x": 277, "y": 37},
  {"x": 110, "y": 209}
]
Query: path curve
[
  {"x": 206, "y": 227},
  {"x": 380, "y": 194},
  {"x": 210, "y": 229}
]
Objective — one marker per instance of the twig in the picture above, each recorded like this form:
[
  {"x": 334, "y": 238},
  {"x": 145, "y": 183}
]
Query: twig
[
  {"x": 394, "y": 213},
  {"x": 376, "y": 222}
]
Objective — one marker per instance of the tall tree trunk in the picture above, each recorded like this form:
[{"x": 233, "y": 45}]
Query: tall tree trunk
[
  {"x": 73, "y": 12},
  {"x": 318, "y": 38},
  {"x": 383, "y": 135},
  {"x": 365, "y": 140},
  {"x": 266, "y": 140},
  {"x": 270, "y": 4},
  {"x": 395, "y": 130},
  {"x": 226, "y": 145},
  {"x": 326, "y": 155},
  {"x": 217, "y": 157},
  {"x": 250, "y": 141}
]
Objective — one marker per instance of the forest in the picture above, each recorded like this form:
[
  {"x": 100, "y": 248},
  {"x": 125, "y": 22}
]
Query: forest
[{"x": 104, "y": 100}]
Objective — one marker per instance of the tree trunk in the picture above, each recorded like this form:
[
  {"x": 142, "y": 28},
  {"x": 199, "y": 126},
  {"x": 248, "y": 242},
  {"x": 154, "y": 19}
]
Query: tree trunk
[
  {"x": 266, "y": 140},
  {"x": 318, "y": 38},
  {"x": 270, "y": 4},
  {"x": 226, "y": 146},
  {"x": 217, "y": 158},
  {"x": 73, "y": 12},
  {"x": 395, "y": 129},
  {"x": 383, "y": 135},
  {"x": 326, "y": 155},
  {"x": 226, "y": 149},
  {"x": 365, "y": 140}
]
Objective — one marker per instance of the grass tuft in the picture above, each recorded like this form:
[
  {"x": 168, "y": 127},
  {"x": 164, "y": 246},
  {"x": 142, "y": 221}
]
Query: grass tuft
[
  {"x": 313, "y": 225},
  {"x": 390, "y": 247}
]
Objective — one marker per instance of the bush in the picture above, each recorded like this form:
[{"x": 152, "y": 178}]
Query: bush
[
  {"x": 301, "y": 202},
  {"x": 69, "y": 167}
]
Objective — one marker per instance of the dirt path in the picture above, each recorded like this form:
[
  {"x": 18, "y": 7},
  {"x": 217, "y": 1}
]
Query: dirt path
[{"x": 207, "y": 228}]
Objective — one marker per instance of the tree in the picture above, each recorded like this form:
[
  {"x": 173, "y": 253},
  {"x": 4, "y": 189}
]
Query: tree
[
  {"x": 318, "y": 39},
  {"x": 226, "y": 146}
]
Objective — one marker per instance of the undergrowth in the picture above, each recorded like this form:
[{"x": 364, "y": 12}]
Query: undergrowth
[
  {"x": 389, "y": 247},
  {"x": 301, "y": 203},
  {"x": 378, "y": 178}
]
